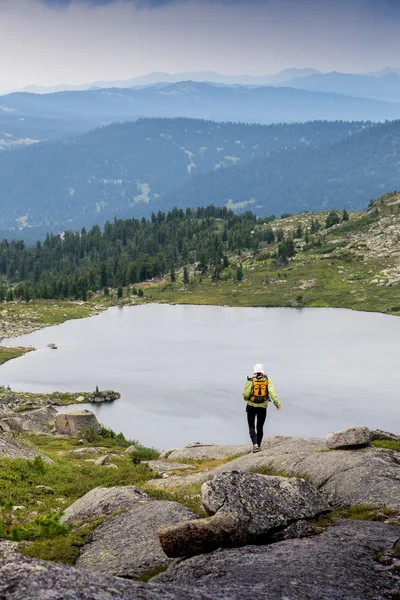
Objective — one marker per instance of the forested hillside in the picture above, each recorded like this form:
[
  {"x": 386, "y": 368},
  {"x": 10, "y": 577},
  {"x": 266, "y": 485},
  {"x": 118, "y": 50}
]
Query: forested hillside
[
  {"x": 126, "y": 169},
  {"x": 342, "y": 175},
  {"x": 212, "y": 256},
  {"x": 126, "y": 252}
]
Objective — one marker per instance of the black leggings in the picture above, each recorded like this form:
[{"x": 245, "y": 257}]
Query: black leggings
[{"x": 261, "y": 414}]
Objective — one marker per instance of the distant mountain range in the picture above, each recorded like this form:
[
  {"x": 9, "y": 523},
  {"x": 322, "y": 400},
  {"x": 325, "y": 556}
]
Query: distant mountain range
[
  {"x": 199, "y": 76},
  {"x": 47, "y": 116},
  {"x": 385, "y": 87},
  {"x": 133, "y": 169},
  {"x": 161, "y": 77}
]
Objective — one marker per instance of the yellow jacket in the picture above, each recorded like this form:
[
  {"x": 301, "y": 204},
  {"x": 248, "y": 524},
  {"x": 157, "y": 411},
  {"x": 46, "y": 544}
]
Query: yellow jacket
[{"x": 272, "y": 396}]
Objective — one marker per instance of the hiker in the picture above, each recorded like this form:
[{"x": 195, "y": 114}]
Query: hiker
[{"x": 258, "y": 391}]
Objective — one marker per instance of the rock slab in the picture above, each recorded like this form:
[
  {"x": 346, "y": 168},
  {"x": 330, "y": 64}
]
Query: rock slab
[
  {"x": 338, "y": 564},
  {"x": 127, "y": 545},
  {"x": 103, "y": 501},
  {"x": 349, "y": 438},
  {"x": 28, "y": 579},
  {"x": 77, "y": 422},
  {"x": 9, "y": 448}
]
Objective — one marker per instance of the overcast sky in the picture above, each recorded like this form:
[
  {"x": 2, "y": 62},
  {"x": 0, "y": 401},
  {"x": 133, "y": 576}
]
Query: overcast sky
[{"x": 49, "y": 42}]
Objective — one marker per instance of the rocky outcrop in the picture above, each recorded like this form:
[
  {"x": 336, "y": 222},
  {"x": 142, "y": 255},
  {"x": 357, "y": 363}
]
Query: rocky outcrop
[
  {"x": 37, "y": 421},
  {"x": 127, "y": 545},
  {"x": 77, "y": 422},
  {"x": 248, "y": 509},
  {"x": 199, "y": 451},
  {"x": 344, "y": 477},
  {"x": 349, "y": 438},
  {"x": 339, "y": 564},
  {"x": 9, "y": 448},
  {"x": 27, "y": 579},
  {"x": 105, "y": 396},
  {"x": 103, "y": 501}
]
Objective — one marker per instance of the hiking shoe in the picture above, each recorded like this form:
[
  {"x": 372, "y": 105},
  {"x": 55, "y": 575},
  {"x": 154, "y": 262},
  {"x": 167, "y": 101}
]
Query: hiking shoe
[{"x": 256, "y": 448}]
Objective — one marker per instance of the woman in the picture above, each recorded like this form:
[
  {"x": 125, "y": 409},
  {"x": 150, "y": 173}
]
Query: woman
[{"x": 258, "y": 391}]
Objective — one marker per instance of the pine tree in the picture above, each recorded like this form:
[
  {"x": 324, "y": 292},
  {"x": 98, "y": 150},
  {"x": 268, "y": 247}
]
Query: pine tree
[
  {"x": 172, "y": 274},
  {"x": 345, "y": 215},
  {"x": 185, "y": 275},
  {"x": 239, "y": 273}
]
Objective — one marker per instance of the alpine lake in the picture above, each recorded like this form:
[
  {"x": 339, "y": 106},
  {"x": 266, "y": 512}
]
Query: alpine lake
[{"x": 181, "y": 369}]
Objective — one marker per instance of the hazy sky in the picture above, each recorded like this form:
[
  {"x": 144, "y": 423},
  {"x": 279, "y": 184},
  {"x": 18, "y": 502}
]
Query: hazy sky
[{"x": 49, "y": 42}]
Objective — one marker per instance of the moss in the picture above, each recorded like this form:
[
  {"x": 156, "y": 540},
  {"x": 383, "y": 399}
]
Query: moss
[
  {"x": 359, "y": 512},
  {"x": 389, "y": 444},
  {"x": 150, "y": 574}
]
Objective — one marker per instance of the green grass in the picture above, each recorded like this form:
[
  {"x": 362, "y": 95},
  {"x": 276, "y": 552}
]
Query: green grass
[
  {"x": 389, "y": 444},
  {"x": 10, "y": 353},
  {"x": 62, "y": 549},
  {"x": 70, "y": 478},
  {"x": 188, "y": 495},
  {"x": 359, "y": 512}
]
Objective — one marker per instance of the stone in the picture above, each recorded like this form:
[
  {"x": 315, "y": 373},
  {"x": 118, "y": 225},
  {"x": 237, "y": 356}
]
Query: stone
[
  {"x": 46, "y": 489},
  {"x": 77, "y": 422},
  {"x": 130, "y": 449},
  {"x": 200, "y": 451},
  {"x": 28, "y": 579},
  {"x": 349, "y": 438},
  {"x": 80, "y": 451},
  {"x": 83, "y": 442},
  {"x": 378, "y": 435},
  {"x": 103, "y": 460},
  {"x": 9, "y": 448},
  {"x": 127, "y": 545},
  {"x": 80, "y": 399},
  {"x": 159, "y": 466},
  {"x": 165, "y": 453},
  {"x": 103, "y": 501},
  {"x": 256, "y": 506},
  {"x": 202, "y": 535},
  {"x": 8, "y": 549},
  {"x": 338, "y": 564}
]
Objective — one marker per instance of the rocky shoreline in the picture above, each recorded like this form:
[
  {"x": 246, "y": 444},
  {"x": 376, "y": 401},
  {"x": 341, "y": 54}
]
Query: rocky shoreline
[{"x": 270, "y": 529}]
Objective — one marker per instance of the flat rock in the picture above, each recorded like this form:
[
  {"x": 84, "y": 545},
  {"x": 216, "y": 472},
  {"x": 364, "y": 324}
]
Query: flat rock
[
  {"x": 28, "y": 579},
  {"x": 9, "y": 448},
  {"x": 349, "y": 438},
  {"x": 103, "y": 501},
  {"x": 248, "y": 509},
  {"x": 127, "y": 545},
  {"x": 338, "y": 564},
  {"x": 161, "y": 466},
  {"x": 201, "y": 451},
  {"x": 77, "y": 422}
]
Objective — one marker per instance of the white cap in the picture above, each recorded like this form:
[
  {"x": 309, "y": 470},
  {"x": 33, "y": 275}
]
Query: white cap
[{"x": 259, "y": 369}]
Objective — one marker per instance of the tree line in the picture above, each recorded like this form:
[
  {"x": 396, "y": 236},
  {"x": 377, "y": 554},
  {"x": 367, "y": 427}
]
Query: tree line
[{"x": 126, "y": 252}]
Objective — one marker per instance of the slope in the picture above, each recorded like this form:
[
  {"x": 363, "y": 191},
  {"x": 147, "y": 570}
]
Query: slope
[
  {"x": 125, "y": 169},
  {"x": 342, "y": 175}
]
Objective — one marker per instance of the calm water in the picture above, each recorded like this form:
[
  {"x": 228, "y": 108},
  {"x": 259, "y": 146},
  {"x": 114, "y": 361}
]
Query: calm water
[{"x": 181, "y": 369}]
